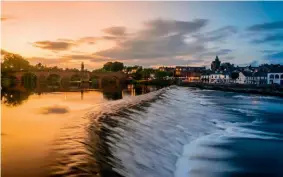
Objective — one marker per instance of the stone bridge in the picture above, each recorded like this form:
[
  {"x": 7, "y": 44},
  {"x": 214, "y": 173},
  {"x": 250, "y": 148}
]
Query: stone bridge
[{"x": 83, "y": 75}]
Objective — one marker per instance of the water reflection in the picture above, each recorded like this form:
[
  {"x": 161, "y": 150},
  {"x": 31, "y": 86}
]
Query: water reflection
[
  {"x": 112, "y": 94},
  {"x": 15, "y": 96}
]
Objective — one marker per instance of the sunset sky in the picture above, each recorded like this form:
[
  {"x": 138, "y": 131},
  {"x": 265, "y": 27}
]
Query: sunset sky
[{"x": 143, "y": 33}]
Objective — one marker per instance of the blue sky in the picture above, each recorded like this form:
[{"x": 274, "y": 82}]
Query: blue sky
[{"x": 144, "y": 33}]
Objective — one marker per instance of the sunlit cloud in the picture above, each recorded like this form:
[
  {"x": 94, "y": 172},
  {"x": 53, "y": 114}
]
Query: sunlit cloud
[
  {"x": 115, "y": 30},
  {"x": 59, "y": 45}
]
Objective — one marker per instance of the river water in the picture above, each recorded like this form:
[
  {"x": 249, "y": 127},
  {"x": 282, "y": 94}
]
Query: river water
[{"x": 170, "y": 132}]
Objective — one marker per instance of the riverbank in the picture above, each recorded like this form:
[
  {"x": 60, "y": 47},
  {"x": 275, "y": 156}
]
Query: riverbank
[
  {"x": 250, "y": 89},
  {"x": 156, "y": 82}
]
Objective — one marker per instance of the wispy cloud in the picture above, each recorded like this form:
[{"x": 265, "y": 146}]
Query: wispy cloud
[
  {"x": 218, "y": 34},
  {"x": 58, "y": 45},
  {"x": 5, "y": 18},
  {"x": 271, "y": 38},
  {"x": 48, "y": 61},
  {"x": 86, "y": 56},
  {"x": 218, "y": 52},
  {"x": 266, "y": 26},
  {"x": 159, "y": 38},
  {"x": 116, "y": 31},
  {"x": 169, "y": 41},
  {"x": 278, "y": 57}
]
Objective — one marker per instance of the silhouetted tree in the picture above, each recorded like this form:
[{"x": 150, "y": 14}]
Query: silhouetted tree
[
  {"x": 138, "y": 74},
  {"x": 113, "y": 66},
  {"x": 161, "y": 74},
  {"x": 227, "y": 66},
  {"x": 14, "y": 62},
  {"x": 234, "y": 75}
]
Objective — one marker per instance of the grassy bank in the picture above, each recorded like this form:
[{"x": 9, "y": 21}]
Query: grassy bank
[{"x": 267, "y": 90}]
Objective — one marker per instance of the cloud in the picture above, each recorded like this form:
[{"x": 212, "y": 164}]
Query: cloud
[
  {"x": 278, "y": 38},
  {"x": 89, "y": 40},
  {"x": 115, "y": 31},
  {"x": 268, "y": 51},
  {"x": 228, "y": 58},
  {"x": 159, "y": 39},
  {"x": 266, "y": 26},
  {"x": 218, "y": 34},
  {"x": 161, "y": 27},
  {"x": 170, "y": 42},
  {"x": 147, "y": 48},
  {"x": 275, "y": 57},
  {"x": 66, "y": 44},
  {"x": 255, "y": 63},
  {"x": 48, "y": 61},
  {"x": 219, "y": 52},
  {"x": 5, "y": 18},
  {"x": 89, "y": 57},
  {"x": 59, "y": 45},
  {"x": 170, "y": 61}
]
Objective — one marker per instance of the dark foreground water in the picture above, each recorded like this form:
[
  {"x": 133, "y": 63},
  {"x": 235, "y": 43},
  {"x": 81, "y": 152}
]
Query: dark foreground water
[{"x": 171, "y": 132}]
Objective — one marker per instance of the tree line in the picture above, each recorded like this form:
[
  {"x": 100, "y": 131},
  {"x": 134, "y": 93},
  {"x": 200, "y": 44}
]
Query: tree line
[{"x": 14, "y": 62}]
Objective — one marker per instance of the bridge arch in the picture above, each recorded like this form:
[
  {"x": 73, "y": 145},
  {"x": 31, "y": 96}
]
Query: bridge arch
[
  {"x": 53, "y": 80},
  {"x": 75, "y": 77},
  {"x": 9, "y": 81},
  {"x": 65, "y": 82},
  {"x": 95, "y": 81},
  {"x": 29, "y": 80},
  {"x": 110, "y": 81},
  {"x": 41, "y": 78}
]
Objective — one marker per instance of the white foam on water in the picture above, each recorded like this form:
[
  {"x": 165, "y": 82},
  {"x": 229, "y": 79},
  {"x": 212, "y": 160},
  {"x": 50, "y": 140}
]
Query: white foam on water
[
  {"x": 256, "y": 97},
  {"x": 225, "y": 131},
  {"x": 243, "y": 111},
  {"x": 185, "y": 164}
]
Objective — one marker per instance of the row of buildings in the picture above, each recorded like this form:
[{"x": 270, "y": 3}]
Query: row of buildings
[{"x": 240, "y": 75}]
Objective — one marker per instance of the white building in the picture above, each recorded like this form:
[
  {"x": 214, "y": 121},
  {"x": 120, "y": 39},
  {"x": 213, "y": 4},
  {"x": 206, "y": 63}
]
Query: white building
[
  {"x": 204, "y": 78},
  {"x": 244, "y": 78},
  {"x": 219, "y": 78},
  {"x": 275, "y": 76}
]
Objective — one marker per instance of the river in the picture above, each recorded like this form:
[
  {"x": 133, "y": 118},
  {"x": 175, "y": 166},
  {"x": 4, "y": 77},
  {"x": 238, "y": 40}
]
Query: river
[{"x": 170, "y": 132}]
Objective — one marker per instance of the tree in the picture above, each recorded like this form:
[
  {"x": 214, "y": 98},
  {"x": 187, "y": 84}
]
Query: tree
[
  {"x": 117, "y": 66},
  {"x": 226, "y": 66},
  {"x": 39, "y": 66},
  {"x": 234, "y": 75},
  {"x": 146, "y": 72},
  {"x": 113, "y": 66},
  {"x": 215, "y": 65},
  {"x": 161, "y": 74},
  {"x": 14, "y": 62},
  {"x": 107, "y": 66},
  {"x": 138, "y": 74}
]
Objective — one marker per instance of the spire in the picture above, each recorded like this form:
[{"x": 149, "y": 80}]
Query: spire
[
  {"x": 82, "y": 66},
  {"x": 217, "y": 58}
]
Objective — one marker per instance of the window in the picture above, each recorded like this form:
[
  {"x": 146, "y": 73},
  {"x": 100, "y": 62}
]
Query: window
[
  {"x": 271, "y": 76},
  {"x": 276, "y": 76}
]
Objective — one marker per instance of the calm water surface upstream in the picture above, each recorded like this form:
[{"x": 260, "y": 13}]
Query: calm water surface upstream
[{"x": 170, "y": 132}]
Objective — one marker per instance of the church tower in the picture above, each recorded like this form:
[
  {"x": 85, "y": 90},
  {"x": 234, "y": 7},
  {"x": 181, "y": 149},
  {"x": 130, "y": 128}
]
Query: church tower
[{"x": 82, "y": 67}]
